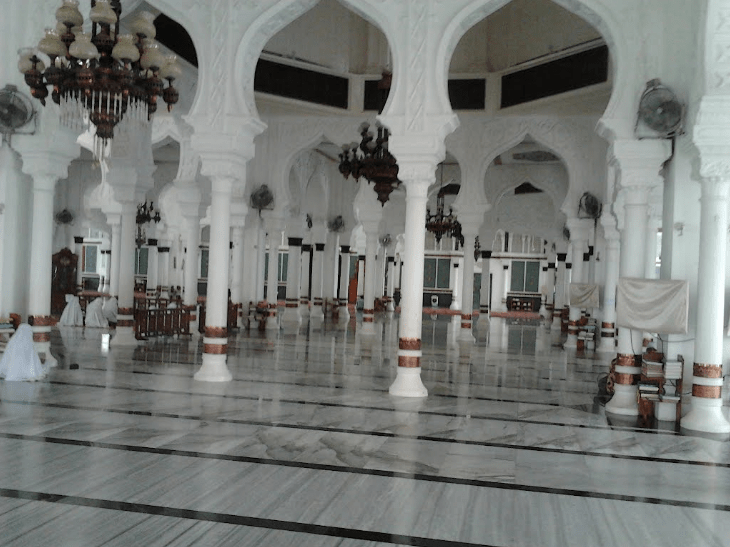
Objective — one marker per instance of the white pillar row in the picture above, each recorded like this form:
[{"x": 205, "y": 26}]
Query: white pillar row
[
  {"x": 163, "y": 272},
  {"x": 39, "y": 298},
  {"x": 497, "y": 269},
  {"x": 343, "y": 312},
  {"x": 559, "y": 292},
  {"x": 190, "y": 291},
  {"x": 215, "y": 341},
  {"x": 706, "y": 407},
  {"x": 274, "y": 229},
  {"x": 470, "y": 230},
  {"x": 153, "y": 268},
  {"x": 317, "y": 313},
  {"x": 390, "y": 286},
  {"x": 260, "y": 261},
  {"x": 79, "y": 248},
  {"x": 630, "y": 341},
  {"x": 483, "y": 322},
  {"x": 115, "y": 221},
  {"x": 304, "y": 281},
  {"x": 291, "y": 317},
  {"x": 607, "y": 343},
  {"x": 124, "y": 335},
  {"x": 236, "y": 281},
  {"x": 580, "y": 230},
  {"x": 408, "y": 379},
  {"x": 368, "y": 311},
  {"x": 329, "y": 275}
]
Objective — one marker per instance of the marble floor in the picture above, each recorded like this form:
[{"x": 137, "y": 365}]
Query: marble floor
[{"x": 305, "y": 447}]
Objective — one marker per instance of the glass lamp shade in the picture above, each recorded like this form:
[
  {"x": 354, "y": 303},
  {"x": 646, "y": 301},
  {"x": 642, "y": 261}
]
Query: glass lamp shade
[
  {"x": 126, "y": 49},
  {"x": 143, "y": 24},
  {"x": 69, "y": 15},
  {"x": 24, "y": 62},
  {"x": 152, "y": 57},
  {"x": 82, "y": 48},
  {"x": 103, "y": 13},
  {"x": 51, "y": 44},
  {"x": 170, "y": 70}
]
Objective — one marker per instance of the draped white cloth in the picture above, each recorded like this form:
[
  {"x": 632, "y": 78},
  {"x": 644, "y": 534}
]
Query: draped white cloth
[
  {"x": 653, "y": 305},
  {"x": 20, "y": 361},
  {"x": 72, "y": 315},
  {"x": 110, "y": 310},
  {"x": 94, "y": 315},
  {"x": 582, "y": 295}
]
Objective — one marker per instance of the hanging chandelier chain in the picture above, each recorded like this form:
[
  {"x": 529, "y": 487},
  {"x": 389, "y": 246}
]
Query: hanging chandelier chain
[{"x": 440, "y": 224}]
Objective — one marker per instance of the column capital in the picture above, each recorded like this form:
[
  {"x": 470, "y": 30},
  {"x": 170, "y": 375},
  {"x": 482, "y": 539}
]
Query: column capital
[
  {"x": 609, "y": 223},
  {"x": 580, "y": 228},
  {"x": 639, "y": 162}
]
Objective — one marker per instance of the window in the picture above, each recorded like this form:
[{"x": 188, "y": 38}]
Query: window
[
  {"x": 283, "y": 266},
  {"x": 141, "y": 259},
  {"x": 436, "y": 273},
  {"x": 525, "y": 276},
  {"x": 204, "y": 263}
]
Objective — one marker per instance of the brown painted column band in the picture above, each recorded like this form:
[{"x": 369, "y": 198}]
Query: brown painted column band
[
  {"x": 42, "y": 321},
  {"x": 707, "y": 392},
  {"x": 605, "y": 325},
  {"x": 41, "y": 336},
  {"x": 215, "y": 349},
  {"x": 125, "y": 322},
  {"x": 625, "y": 379},
  {"x": 367, "y": 319},
  {"x": 704, "y": 370},
  {"x": 408, "y": 361},
  {"x": 466, "y": 317},
  {"x": 368, "y": 311},
  {"x": 273, "y": 305},
  {"x": 412, "y": 344},
  {"x": 216, "y": 332},
  {"x": 625, "y": 360},
  {"x": 192, "y": 316},
  {"x": 292, "y": 305},
  {"x": 466, "y": 324},
  {"x": 608, "y": 334},
  {"x": 125, "y": 311}
]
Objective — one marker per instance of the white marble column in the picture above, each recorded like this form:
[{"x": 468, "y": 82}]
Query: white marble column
[
  {"x": 390, "y": 283},
  {"x": 274, "y": 229},
  {"x": 190, "y": 291},
  {"x": 607, "y": 343},
  {"x": 79, "y": 250},
  {"x": 484, "y": 296},
  {"x": 107, "y": 270},
  {"x": 344, "y": 312},
  {"x": 329, "y": 276},
  {"x": 652, "y": 232},
  {"x": 706, "y": 407},
  {"x": 261, "y": 261},
  {"x": 408, "y": 380},
  {"x": 361, "y": 276},
  {"x": 467, "y": 292},
  {"x": 115, "y": 221},
  {"x": 237, "y": 270},
  {"x": 559, "y": 292},
  {"x": 368, "y": 312},
  {"x": 304, "y": 281},
  {"x": 550, "y": 291},
  {"x": 163, "y": 265},
  {"x": 215, "y": 341},
  {"x": 153, "y": 267},
  {"x": 317, "y": 313},
  {"x": 291, "y": 318},
  {"x": 579, "y": 234},
  {"x": 124, "y": 334}
]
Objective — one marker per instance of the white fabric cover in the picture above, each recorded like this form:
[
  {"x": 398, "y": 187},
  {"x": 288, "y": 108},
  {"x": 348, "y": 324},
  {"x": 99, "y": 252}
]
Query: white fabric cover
[
  {"x": 582, "y": 295},
  {"x": 653, "y": 305},
  {"x": 20, "y": 361},
  {"x": 94, "y": 315},
  {"x": 72, "y": 315},
  {"x": 110, "y": 310}
]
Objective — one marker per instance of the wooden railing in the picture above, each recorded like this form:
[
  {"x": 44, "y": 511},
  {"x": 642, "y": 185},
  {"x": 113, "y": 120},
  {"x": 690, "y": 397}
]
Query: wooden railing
[
  {"x": 153, "y": 317},
  {"x": 232, "y": 318}
]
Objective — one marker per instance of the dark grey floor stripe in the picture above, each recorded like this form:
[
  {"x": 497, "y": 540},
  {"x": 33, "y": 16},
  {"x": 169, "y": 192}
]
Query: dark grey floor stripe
[
  {"x": 240, "y": 520},
  {"x": 366, "y": 407},
  {"x": 379, "y": 473}
]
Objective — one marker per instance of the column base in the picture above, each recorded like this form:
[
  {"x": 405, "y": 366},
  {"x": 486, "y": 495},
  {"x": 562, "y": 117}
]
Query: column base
[
  {"x": 123, "y": 337},
  {"x": 408, "y": 383},
  {"x": 291, "y": 318},
  {"x": 304, "y": 308},
  {"x": 343, "y": 316},
  {"x": 466, "y": 336},
  {"x": 213, "y": 369},
  {"x": 705, "y": 415},
  {"x": 624, "y": 400},
  {"x": 367, "y": 328},
  {"x": 571, "y": 342},
  {"x": 316, "y": 313},
  {"x": 272, "y": 322}
]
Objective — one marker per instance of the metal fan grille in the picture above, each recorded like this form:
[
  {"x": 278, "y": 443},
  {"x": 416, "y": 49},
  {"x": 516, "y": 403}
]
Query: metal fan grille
[
  {"x": 660, "y": 110},
  {"x": 15, "y": 110}
]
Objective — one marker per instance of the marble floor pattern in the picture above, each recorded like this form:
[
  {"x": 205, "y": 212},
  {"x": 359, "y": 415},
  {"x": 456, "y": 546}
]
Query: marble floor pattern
[{"x": 305, "y": 447}]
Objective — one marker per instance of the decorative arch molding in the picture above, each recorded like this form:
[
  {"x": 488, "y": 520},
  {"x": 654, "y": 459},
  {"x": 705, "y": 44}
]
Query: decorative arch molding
[
  {"x": 614, "y": 22},
  {"x": 552, "y": 179}
]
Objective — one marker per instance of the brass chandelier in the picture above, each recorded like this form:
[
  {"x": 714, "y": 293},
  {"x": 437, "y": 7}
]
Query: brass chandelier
[
  {"x": 102, "y": 77},
  {"x": 439, "y": 223},
  {"x": 371, "y": 158}
]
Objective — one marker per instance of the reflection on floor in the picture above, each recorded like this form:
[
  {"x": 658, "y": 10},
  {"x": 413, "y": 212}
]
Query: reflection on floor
[{"x": 306, "y": 448}]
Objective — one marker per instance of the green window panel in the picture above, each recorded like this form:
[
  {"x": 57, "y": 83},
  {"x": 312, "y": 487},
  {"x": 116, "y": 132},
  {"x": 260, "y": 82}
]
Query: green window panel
[{"x": 518, "y": 276}]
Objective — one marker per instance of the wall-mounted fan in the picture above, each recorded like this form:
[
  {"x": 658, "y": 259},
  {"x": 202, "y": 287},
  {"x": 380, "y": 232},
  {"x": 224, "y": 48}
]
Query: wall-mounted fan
[
  {"x": 589, "y": 206},
  {"x": 660, "y": 110},
  {"x": 16, "y": 110},
  {"x": 262, "y": 198}
]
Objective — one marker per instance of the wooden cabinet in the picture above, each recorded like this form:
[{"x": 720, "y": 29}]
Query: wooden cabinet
[{"x": 63, "y": 279}]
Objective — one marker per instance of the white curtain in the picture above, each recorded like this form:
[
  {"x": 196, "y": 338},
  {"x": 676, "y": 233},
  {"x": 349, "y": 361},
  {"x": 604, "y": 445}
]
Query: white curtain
[
  {"x": 653, "y": 305},
  {"x": 582, "y": 295}
]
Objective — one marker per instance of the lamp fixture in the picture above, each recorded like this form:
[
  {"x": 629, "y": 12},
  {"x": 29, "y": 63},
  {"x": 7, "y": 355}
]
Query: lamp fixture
[
  {"x": 145, "y": 215},
  {"x": 440, "y": 224},
  {"x": 371, "y": 158},
  {"x": 102, "y": 77}
]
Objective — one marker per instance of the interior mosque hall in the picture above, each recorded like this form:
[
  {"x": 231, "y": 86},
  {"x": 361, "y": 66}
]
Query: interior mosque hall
[{"x": 364, "y": 273}]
